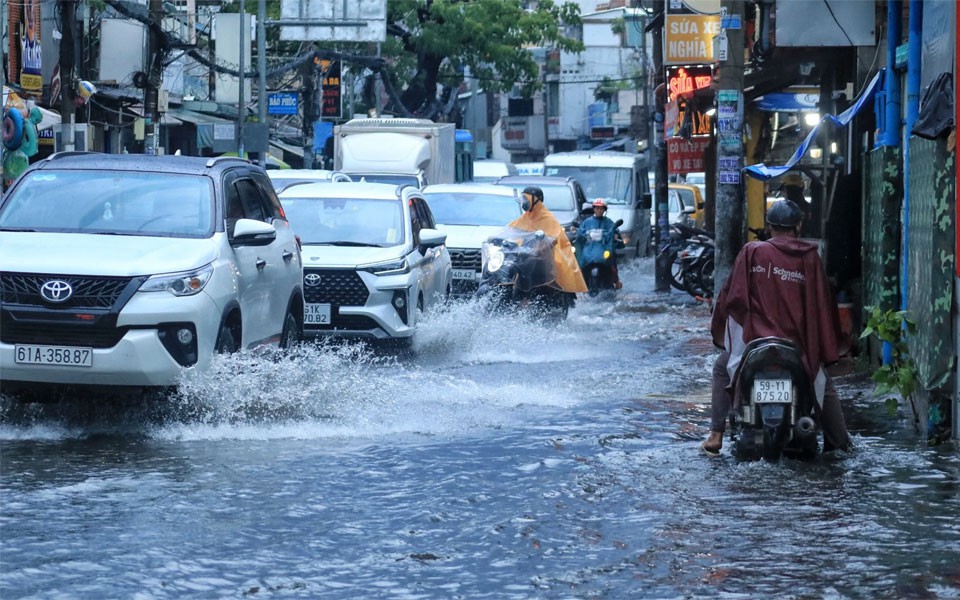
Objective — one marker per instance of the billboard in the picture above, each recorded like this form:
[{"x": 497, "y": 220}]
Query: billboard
[
  {"x": 25, "y": 55},
  {"x": 333, "y": 20}
]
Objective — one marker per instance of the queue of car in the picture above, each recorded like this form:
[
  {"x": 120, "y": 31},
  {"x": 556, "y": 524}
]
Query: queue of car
[{"x": 156, "y": 264}]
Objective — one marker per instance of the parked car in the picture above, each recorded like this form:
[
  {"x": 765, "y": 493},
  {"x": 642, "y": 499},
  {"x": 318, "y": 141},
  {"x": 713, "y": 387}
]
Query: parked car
[
  {"x": 698, "y": 179},
  {"x": 124, "y": 270},
  {"x": 373, "y": 258},
  {"x": 469, "y": 213},
  {"x": 284, "y": 178},
  {"x": 562, "y": 195},
  {"x": 488, "y": 170},
  {"x": 692, "y": 200}
]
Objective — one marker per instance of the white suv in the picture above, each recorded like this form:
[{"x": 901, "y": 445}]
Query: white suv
[
  {"x": 125, "y": 270},
  {"x": 373, "y": 258},
  {"x": 469, "y": 213}
]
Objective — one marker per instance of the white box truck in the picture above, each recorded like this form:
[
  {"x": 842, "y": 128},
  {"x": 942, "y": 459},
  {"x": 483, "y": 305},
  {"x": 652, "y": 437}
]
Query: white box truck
[
  {"x": 621, "y": 180},
  {"x": 402, "y": 151}
]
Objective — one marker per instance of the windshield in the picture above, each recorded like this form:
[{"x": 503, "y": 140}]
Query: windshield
[
  {"x": 555, "y": 197},
  {"x": 111, "y": 202},
  {"x": 346, "y": 221},
  {"x": 472, "y": 209},
  {"x": 612, "y": 184}
]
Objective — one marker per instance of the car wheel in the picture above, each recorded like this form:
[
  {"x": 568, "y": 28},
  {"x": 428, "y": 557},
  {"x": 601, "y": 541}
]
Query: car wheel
[
  {"x": 228, "y": 340},
  {"x": 291, "y": 333}
]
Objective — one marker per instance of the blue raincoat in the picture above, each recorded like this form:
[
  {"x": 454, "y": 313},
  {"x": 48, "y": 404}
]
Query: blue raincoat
[{"x": 590, "y": 250}]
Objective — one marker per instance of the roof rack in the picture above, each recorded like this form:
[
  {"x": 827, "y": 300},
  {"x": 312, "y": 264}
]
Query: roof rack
[
  {"x": 68, "y": 153},
  {"x": 216, "y": 159}
]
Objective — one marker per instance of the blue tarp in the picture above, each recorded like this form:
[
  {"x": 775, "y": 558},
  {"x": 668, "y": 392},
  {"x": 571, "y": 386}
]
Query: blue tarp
[{"x": 765, "y": 173}]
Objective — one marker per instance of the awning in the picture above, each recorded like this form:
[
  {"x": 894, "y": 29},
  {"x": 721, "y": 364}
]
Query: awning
[
  {"x": 212, "y": 132},
  {"x": 788, "y": 101},
  {"x": 765, "y": 173}
]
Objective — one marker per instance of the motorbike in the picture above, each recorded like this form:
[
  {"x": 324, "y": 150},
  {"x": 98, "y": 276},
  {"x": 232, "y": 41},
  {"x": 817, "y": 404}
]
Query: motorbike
[
  {"x": 691, "y": 254},
  {"x": 596, "y": 253},
  {"x": 774, "y": 403},
  {"x": 518, "y": 270}
]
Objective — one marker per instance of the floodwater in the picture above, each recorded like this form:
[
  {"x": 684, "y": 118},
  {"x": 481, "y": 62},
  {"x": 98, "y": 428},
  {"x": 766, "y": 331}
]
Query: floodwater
[{"x": 501, "y": 459}]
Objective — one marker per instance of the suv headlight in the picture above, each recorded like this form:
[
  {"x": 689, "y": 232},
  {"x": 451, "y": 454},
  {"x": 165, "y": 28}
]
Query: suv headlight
[
  {"x": 179, "y": 284},
  {"x": 393, "y": 267}
]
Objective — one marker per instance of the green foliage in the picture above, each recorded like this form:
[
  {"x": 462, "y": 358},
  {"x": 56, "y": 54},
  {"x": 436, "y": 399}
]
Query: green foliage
[
  {"x": 892, "y": 326},
  {"x": 436, "y": 41}
]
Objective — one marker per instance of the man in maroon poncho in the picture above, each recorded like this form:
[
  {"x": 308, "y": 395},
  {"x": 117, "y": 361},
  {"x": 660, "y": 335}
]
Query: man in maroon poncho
[{"x": 777, "y": 288}]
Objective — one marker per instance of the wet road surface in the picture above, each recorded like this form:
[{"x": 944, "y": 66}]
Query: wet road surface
[{"x": 502, "y": 458}]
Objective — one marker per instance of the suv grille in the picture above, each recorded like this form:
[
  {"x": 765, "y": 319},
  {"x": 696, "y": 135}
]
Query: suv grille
[
  {"x": 61, "y": 334},
  {"x": 465, "y": 259},
  {"x": 88, "y": 292},
  {"x": 340, "y": 288},
  {"x": 346, "y": 322},
  {"x": 29, "y": 319}
]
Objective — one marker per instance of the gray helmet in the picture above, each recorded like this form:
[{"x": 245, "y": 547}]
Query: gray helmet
[{"x": 784, "y": 214}]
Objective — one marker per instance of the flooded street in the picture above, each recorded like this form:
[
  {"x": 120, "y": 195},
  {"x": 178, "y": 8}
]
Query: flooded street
[{"x": 501, "y": 458}]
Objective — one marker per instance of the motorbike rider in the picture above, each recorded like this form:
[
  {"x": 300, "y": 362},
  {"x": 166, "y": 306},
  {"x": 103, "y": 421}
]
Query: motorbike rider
[
  {"x": 611, "y": 237},
  {"x": 536, "y": 216},
  {"x": 777, "y": 287}
]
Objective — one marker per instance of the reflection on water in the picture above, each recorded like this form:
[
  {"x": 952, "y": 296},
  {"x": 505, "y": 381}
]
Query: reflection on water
[{"x": 500, "y": 458}]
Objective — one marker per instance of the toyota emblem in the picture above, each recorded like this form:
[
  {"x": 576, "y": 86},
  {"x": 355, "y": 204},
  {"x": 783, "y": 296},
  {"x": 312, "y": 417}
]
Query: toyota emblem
[
  {"x": 311, "y": 279},
  {"x": 56, "y": 291}
]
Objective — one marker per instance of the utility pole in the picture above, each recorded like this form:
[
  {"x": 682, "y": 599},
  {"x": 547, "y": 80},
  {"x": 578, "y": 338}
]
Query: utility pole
[
  {"x": 662, "y": 263},
  {"x": 262, "y": 70},
  {"x": 729, "y": 197},
  {"x": 151, "y": 93},
  {"x": 241, "y": 109},
  {"x": 68, "y": 18}
]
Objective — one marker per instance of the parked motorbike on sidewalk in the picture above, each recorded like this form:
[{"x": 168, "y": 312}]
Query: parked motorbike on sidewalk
[
  {"x": 774, "y": 403},
  {"x": 519, "y": 271},
  {"x": 597, "y": 254}
]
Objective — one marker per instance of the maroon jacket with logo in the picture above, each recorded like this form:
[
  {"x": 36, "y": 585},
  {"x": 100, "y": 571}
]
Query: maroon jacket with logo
[{"x": 779, "y": 288}]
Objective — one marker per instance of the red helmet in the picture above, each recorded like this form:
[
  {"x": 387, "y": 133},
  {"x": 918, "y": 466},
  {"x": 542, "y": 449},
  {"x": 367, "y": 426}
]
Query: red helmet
[{"x": 600, "y": 203}]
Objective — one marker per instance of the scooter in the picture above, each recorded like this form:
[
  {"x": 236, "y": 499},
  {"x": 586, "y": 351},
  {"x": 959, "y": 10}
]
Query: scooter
[
  {"x": 518, "y": 270},
  {"x": 774, "y": 403},
  {"x": 596, "y": 253}
]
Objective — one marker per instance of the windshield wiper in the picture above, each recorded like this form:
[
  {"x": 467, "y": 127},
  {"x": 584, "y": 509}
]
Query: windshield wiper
[
  {"x": 346, "y": 243},
  {"x": 21, "y": 229}
]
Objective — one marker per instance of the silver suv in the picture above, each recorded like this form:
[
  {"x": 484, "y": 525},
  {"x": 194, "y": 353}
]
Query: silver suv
[
  {"x": 125, "y": 270},
  {"x": 373, "y": 259}
]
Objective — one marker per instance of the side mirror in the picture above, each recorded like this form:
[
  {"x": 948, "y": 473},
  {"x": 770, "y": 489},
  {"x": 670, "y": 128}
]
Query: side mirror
[
  {"x": 688, "y": 210},
  {"x": 250, "y": 232},
  {"x": 618, "y": 223},
  {"x": 646, "y": 201},
  {"x": 432, "y": 238}
]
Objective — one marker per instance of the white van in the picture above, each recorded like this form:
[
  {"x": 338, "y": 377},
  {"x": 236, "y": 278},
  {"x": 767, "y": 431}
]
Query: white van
[
  {"x": 487, "y": 170},
  {"x": 621, "y": 180}
]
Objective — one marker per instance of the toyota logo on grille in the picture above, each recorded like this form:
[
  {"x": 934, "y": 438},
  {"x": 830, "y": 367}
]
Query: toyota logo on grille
[
  {"x": 312, "y": 279},
  {"x": 56, "y": 290}
]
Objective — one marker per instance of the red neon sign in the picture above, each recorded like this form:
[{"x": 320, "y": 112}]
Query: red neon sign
[{"x": 686, "y": 80}]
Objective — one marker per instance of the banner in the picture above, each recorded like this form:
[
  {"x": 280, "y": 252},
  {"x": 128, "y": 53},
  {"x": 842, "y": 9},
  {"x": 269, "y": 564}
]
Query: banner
[
  {"x": 763, "y": 172},
  {"x": 25, "y": 56}
]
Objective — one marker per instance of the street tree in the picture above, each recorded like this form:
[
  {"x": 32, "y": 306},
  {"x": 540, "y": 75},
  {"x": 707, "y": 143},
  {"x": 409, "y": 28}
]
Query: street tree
[{"x": 433, "y": 44}]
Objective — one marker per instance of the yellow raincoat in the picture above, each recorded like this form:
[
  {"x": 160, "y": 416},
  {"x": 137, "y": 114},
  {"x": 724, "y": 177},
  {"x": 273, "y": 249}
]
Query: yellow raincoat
[{"x": 569, "y": 277}]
